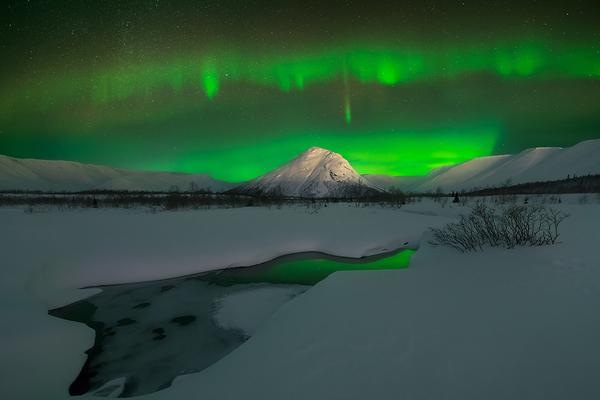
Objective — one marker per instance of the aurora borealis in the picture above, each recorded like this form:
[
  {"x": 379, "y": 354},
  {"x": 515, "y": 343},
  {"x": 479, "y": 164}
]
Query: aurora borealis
[{"x": 236, "y": 88}]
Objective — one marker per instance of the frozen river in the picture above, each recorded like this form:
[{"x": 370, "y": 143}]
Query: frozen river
[{"x": 149, "y": 333}]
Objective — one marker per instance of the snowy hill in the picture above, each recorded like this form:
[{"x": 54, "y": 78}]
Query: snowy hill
[
  {"x": 315, "y": 173},
  {"x": 48, "y": 175},
  {"x": 531, "y": 165}
]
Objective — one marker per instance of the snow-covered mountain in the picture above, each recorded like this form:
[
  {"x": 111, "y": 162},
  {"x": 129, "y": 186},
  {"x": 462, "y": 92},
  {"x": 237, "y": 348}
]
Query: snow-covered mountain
[
  {"x": 531, "y": 165},
  {"x": 315, "y": 173},
  {"x": 49, "y": 175}
]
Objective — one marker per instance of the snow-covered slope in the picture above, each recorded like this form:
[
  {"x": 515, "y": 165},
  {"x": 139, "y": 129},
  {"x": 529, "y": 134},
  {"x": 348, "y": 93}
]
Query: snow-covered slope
[
  {"x": 48, "y": 175},
  {"x": 531, "y": 165},
  {"x": 500, "y": 324},
  {"x": 537, "y": 164},
  {"x": 468, "y": 173},
  {"x": 581, "y": 159},
  {"x": 315, "y": 173}
]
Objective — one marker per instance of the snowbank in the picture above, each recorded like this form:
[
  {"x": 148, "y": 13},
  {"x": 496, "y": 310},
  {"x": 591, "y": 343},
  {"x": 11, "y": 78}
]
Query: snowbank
[
  {"x": 520, "y": 324},
  {"x": 246, "y": 311},
  {"x": 45, "y": 257},
  {"x": 501, "y": 324}
]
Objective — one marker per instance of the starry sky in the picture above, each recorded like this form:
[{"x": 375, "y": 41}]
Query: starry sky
[{"x": 234, "y": 88}]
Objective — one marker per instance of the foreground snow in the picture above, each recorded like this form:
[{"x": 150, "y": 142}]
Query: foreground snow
[
  {"x": 494, "y": 325},
  {"x": 245, "y": 311},
  {"x": 45, "y": 257},
  {"x": 519, "y": 324}
]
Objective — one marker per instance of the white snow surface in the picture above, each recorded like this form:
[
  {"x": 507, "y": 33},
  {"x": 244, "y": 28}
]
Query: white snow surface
[
  {"x": 50, "y": 175},
  {"x": 245, "y": 311},
  {"x": 519, "y": 324},
  {"x": 315, "y": 173},
  {"x": 502, "y": 324},
  {"x": 531, "y": 165},
  {"x": 111, "y": 389},
  {"x": 45, "y": 257}
]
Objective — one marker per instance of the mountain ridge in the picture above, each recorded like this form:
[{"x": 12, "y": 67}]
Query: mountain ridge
[
  {"x": 530, "y": 165},
  {"x": 58, "y": 175},
  {"x": 316, "y": 172}
]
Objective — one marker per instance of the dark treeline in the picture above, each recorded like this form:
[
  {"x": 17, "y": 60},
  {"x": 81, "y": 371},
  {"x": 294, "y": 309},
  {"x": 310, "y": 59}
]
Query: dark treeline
[
  {"x": 182, "y": 200},
  {"x": 203, "y": 199},
  {"x": 106, "y": 192},
  {"x": 575, "y": 184}
]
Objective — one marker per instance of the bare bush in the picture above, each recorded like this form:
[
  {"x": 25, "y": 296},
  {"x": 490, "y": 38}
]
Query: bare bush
[{"x": 507, "y": 227}]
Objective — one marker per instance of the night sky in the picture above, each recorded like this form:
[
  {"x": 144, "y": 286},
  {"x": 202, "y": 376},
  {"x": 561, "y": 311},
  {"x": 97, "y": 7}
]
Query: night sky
[{"x": 236, "y": 88}]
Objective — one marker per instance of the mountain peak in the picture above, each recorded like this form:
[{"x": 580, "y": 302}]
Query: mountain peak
[
  {"x": 317, "y": 172},
  {"x": 316, "y": 150}
]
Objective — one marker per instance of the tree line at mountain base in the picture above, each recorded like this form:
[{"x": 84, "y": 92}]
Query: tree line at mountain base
[
  {"x": 569, "y": 185},
  {"x": 204, "y": 199},
  {"x": 183, "y": 200}
]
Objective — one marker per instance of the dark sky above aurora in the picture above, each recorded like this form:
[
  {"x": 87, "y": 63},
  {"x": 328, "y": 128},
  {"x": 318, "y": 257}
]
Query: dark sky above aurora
[{"x": 236, "y": 88}]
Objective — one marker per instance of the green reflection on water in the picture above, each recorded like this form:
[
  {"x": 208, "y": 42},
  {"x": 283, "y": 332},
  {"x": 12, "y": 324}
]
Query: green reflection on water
[{"x": 308, "y": 271}]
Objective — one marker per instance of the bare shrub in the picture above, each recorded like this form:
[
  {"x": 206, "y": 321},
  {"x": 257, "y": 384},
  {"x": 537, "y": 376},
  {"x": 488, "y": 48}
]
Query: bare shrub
[{"x": 507, "y": 227}]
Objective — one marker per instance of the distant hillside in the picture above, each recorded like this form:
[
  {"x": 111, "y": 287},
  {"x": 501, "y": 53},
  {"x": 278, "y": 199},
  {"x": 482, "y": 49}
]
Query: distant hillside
[
  {"x": 532, "y": 165},
  {"x": 49, "y": 175}
]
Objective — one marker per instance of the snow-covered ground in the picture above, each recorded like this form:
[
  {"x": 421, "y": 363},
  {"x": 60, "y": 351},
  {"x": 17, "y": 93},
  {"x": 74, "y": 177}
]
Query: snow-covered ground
[
  {"x": 46, "y": 256},
  {"x": 245, "y": 311},
  {"x": 500, "y": 324}
]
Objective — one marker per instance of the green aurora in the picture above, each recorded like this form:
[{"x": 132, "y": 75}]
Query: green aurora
[{"x": 389, "y": 106}]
